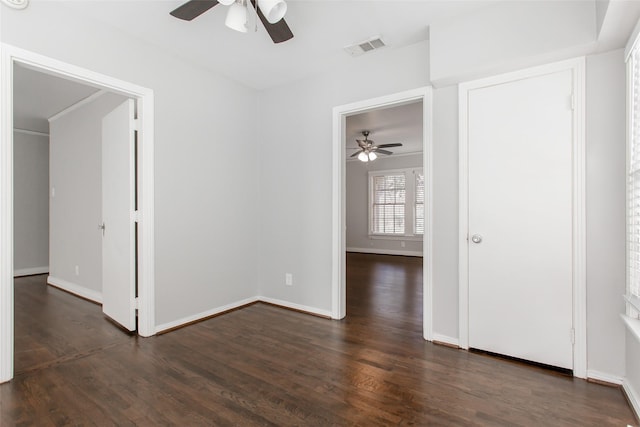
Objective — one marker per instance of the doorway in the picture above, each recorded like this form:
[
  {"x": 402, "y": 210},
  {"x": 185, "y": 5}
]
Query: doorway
[
  {"x": 340, "y": 115},
  {"x": 143, "y": 97}
]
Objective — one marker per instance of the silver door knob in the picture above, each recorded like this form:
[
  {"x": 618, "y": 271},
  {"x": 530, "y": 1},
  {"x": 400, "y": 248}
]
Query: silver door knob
[{"x": 476, "y": 238}]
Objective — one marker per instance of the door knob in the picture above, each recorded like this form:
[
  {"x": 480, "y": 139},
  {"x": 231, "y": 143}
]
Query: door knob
[{"x": 476, "y": 238}]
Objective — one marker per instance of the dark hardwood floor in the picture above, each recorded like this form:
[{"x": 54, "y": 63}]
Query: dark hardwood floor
[{"x": 263, "y": 365}]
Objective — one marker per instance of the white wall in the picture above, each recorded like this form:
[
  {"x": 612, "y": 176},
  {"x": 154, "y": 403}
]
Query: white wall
[
  {"x": 205, "y": 228},
  {"x": 445, "y": 213},
  {"x": 76, "y": 208},
  {"x": 510, "y": 35},
  {"x": 357, "y": 187},
  {"x": 632, "y": 378},
  {"x": 296, "y": 120},
  {"x": 605, "y": 184},
  {"x": 30, "y": 203}
]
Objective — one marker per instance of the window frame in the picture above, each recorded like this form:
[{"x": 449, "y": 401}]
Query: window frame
[
  {"x": 632, "y": 58},
  {"x": 409, "y": 204}
]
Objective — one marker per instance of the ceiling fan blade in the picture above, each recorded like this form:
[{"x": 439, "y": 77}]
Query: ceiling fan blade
[
  {"x": 356, "y": 153},
  {"x": 383, "y": 151},
  {"x": 192, "y": 9},
  {"x": 279, "y": 32},
  {"x": 395, "y": 144}
]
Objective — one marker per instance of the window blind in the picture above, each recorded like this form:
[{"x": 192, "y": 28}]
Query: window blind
[
  {"x": 389, "y": 194},
  {"x": 419, "y": 205},
  {"x": 633, "y": 202}
]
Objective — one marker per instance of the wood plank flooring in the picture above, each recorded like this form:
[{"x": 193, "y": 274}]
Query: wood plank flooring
[{"x": 263, "y": 365}]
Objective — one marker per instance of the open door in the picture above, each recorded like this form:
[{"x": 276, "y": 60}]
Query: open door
[{"x": 118, "y": 209}]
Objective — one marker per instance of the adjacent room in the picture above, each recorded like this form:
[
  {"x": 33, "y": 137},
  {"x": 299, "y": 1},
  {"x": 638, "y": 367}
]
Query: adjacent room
[{"x": 320, "y": 213}]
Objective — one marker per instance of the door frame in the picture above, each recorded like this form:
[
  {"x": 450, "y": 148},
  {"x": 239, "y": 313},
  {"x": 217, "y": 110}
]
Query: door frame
[
  {"x": 577, "y": 67},
  {"x": 338, "y": 274},
  {"x": 144, "y": 97}
]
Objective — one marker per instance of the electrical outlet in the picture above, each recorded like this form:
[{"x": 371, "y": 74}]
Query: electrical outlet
[
  {"x": 288, "y": 279},
  {"x": 402, "y": 244},
  {"x": 77, "y": 270}
]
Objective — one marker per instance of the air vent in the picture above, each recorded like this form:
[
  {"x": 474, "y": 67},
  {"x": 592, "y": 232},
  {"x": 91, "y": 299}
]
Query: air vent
[{"x": 365, "y": 46}]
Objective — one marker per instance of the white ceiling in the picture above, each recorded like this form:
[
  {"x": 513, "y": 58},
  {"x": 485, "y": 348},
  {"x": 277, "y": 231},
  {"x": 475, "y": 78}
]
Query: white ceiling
[
  {"x": 38, "y": 96},
  {"x": 402, "y": 124},
  {"x": 321, "y": 29}
]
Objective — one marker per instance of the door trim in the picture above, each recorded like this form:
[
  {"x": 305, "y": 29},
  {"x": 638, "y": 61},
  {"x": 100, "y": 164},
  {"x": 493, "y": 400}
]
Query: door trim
[
  {"x": 577, "y": 66},
  {"x": 11, "y": 55},
  {"x": 338, "y": 274}
]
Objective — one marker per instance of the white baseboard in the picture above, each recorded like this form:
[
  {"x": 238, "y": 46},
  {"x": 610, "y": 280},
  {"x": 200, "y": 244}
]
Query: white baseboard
[
  {"x": 204, "y": 314},
  {"x": 294, "y": 306},
  {"x": 385, "y": 251},
  {"x": 446, "y": 340},
  {"x": 601, "y": 376},
  {"x": 30, "y": 271},
  {"x": 194, "y": 318},
  {"x": 81, "y": 291},
  {"x": 633, "y": 396}
]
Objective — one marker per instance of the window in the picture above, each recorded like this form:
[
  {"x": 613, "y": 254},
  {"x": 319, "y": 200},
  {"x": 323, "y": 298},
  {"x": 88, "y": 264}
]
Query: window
[
  {"x": 419, "y": 204},
  {"x": 396, "y": 206},
  {"x": 389, "y": 195},
  {"x": 633, "y": 182}
]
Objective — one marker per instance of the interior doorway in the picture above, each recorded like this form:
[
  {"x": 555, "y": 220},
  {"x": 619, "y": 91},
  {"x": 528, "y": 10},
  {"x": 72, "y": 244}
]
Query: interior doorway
[
  {"x": 340, "y": 116},
  {"x": 143, "y": 215},
  {"x": 385, "y": 212}
]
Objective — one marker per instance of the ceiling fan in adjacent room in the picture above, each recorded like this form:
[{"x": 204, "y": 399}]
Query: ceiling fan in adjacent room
[
  {"x": 368, "y": 151},
  {"x": 270, "y": 12}
]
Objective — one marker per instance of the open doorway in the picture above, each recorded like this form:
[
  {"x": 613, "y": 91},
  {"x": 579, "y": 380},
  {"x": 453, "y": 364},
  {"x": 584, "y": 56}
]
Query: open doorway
[
  {"x": 341, "y": 115},
  {"x": 385, "y": 216},
  {"x": 58, "y": 203},
  {"x": 141, "y": 219}
]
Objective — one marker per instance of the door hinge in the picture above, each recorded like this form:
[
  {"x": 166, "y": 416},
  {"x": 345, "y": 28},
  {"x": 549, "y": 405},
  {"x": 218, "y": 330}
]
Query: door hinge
[
  {"x": 136, "y": 216},
  {"x": 136, "y": 303},
  {"x": 135, "y": 124},
  {"x": 573, "y": 336},
  {"x": 573, "y": 102}
]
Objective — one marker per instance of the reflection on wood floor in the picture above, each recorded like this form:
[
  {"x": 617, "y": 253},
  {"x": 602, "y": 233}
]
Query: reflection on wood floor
[{"x": 263, "y": 365}]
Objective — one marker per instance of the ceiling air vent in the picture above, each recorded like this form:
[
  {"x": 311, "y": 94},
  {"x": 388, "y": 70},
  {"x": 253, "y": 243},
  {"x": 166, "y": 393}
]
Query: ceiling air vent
[{"x": 358, "y": 49}]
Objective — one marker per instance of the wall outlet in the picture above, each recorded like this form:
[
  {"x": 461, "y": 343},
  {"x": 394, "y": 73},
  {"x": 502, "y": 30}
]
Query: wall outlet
[
  {"x": 77, "y": 270},
  {"x": 288, "y": 279},
  {"x": 402, "y": 244}
]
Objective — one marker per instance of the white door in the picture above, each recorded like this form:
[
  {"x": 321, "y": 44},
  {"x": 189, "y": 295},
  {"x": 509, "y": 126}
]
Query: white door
[
  {"x": 520, "y": 218},
  {"x": 118, "y": 241}
]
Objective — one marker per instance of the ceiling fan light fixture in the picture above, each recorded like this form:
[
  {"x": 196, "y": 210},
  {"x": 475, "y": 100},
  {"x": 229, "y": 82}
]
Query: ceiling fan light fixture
[
  {"x": 372, "y": 156},
  {"x": 363, "y": 157},
  {"x": 237, "y": 17},
  {"x": 273, "y": 10},
  {"x": 226, "y": 2}
]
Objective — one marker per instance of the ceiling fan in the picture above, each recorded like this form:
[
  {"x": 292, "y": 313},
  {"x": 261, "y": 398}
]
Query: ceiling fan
[
  {"x": 270, "y": 12},
  {"x": 367, "y": 151}
]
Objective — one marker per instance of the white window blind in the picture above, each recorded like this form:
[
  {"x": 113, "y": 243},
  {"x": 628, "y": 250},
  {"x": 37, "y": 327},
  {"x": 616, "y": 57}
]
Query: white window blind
[
  {"x": 396, "y": 203},
  {"x": 633, "y": 202},
  {"x": 389, "y": 195},
  {"x": 419, "y": 204}
]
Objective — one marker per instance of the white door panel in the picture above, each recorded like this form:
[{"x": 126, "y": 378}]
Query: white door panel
[
  {"x": 520, "y": 203},
  {"x": 118, "y": 250}
]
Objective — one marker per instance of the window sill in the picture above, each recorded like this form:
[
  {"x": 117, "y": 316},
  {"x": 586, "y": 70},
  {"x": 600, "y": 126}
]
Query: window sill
[{"x": 395, "y": 237}]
